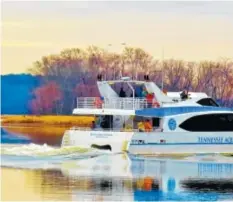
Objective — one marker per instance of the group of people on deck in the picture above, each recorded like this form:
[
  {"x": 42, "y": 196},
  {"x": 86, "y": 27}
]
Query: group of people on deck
[
  {"x": 150, "y": 98},
  {"x": 145, "y": 126},
  {"x": 142, "y": 126},
  {"x": 143, "y": 93}
]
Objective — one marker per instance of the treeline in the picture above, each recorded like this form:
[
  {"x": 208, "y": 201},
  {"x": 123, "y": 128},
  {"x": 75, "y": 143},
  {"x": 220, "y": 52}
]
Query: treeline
[
  {"x": 73, "y": 73},
  {"x": 16, "y": 93}
]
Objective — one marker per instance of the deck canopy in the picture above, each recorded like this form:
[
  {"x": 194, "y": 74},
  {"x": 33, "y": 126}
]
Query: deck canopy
[
  {"x": 169, "y": 111},
  {"x": 106, "y": 90}
]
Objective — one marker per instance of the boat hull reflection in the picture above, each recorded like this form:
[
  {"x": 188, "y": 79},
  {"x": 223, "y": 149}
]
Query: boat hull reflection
[{"x": 131, "y": 178}]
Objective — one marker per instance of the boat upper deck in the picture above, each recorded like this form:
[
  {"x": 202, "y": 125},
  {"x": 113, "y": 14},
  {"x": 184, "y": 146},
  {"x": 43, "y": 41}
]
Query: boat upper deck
[{"x": 136, "y": 95}]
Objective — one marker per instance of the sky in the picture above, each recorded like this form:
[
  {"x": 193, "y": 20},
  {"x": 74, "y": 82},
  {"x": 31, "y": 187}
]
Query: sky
[{"x": 184, "y": 30}]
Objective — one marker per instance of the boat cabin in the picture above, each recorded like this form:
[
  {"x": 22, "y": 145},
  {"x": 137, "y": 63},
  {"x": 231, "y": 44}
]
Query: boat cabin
[
  {"x": 119, "y": 100},
  {"x": 125, "y": 123},
  {"x": 115, "y": 108}
]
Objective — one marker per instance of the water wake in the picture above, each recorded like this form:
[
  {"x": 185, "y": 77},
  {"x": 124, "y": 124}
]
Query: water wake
[
  {"x": 43, "y": 156},
  {"x": 41, "y": 150}
]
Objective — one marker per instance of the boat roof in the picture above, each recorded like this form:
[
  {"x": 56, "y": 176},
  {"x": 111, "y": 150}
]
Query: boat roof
[
  {"x": 191, "y": 94},
  {"x": 125, "y": 81},
  {"x": 104, "y": 111},
  {"x": 169, "y": 111},
  {"x": 151, "y": 112}
]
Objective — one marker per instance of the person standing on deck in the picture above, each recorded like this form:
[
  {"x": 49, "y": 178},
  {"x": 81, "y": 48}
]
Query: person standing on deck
[
  {"x": 93, "y": 125},
  {"x": 184, "y": 95},
  {"x": 122, "y": 93},
  {"x": 144, "y": 92},
  {"x": 141, "y": 127},
  {"x": 149, "y": 99},
  {"x": 148, "y": 126}
]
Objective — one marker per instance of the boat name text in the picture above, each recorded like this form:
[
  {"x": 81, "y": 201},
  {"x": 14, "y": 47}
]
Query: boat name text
[
  {"x": 137, "y": 142},
  {"x": 101, "y": 135},
  {"x": 214, "y": 140}
]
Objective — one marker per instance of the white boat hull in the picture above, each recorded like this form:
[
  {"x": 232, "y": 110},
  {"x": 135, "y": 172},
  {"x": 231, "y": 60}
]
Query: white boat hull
[
  {"x": 174, "y": 149},
  {"x": 153, "y": 143}
]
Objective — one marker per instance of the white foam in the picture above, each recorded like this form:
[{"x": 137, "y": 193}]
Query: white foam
[
  {"x": 42, "y": 150},
  {"x": 42, "y": 156}
]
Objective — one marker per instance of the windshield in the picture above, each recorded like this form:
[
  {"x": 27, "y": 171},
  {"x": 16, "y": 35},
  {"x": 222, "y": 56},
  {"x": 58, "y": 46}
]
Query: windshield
[{"x": 207, "y": 102}]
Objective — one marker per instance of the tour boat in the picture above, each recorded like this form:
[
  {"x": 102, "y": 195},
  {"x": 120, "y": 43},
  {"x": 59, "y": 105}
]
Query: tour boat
[{"x": 151, "y": 123}]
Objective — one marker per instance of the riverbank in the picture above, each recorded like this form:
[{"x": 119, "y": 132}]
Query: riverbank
[{"x": 52, "y": 120}]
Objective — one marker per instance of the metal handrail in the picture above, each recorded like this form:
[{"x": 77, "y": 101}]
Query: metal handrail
[
  {"x": 104, "y": 130},
  {"x": 110, "y": 129},
  {"x": 112, "y": 103}
]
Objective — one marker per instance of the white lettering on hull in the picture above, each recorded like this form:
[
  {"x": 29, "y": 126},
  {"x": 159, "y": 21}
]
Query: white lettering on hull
[{"x": 101, "y": 135}]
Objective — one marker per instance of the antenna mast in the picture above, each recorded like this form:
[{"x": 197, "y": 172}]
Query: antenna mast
[{"x": 162, "y": 67}]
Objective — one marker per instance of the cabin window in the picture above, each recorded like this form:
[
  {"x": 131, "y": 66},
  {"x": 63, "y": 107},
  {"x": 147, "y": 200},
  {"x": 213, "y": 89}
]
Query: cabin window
[
  {"x": 156, "y": 122},
  {"x": 207, "y": 102},
  {"x": 141, "y": 123},
  {"x": 107, "y": 122},
  {"x": 209, "y": 123}
]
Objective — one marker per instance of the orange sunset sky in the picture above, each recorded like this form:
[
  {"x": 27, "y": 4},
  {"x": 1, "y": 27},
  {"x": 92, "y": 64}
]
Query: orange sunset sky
[{"x": 186, "y": 30}]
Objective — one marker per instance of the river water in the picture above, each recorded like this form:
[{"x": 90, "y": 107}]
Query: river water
[{"x": 35, "y": 168}]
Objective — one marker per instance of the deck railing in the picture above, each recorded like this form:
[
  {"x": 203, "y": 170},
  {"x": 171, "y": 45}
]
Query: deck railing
[
  {"x": 104, "y": 130},
  {"x": 112, "y": 103},
  {"x": 155, "y": 129}
]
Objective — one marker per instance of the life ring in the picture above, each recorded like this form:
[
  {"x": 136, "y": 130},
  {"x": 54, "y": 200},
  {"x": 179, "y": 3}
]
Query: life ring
[
  {"x": 156, "y": 104},
  {"x": 98, "y": 102}
]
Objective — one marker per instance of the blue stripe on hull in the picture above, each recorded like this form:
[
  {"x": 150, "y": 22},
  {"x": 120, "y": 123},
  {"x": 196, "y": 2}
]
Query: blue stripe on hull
[
  {"x": 188, "y": 143},
  {"x": 168, "y": 111}
]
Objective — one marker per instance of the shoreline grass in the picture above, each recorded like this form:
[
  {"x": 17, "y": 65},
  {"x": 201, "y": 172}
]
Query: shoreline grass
[{"x": 61, "y": 120}]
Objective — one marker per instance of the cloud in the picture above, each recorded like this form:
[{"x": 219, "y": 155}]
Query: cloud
[
  {"x": 14, "y": 24},
  {"x": 24, "y": 44}
]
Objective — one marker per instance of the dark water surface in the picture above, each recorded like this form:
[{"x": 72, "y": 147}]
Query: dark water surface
[{"x": 40, "y": 172}]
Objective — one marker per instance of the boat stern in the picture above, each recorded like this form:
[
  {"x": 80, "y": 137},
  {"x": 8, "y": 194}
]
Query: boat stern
[{"x": 107, "y": 140}]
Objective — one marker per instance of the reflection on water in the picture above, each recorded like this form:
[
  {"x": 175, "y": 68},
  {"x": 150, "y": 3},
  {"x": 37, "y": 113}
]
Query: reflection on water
[
  {"x": 216, "y": 185},
  {"x": 112, "y": 177},
  {"x": 207, "y": 169},
  {"x": 50, "y": 135},
  {"x": 28, "y": 185},
  {"x": 11, "y": 138},
  {"x": 121, "y": 177}
]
